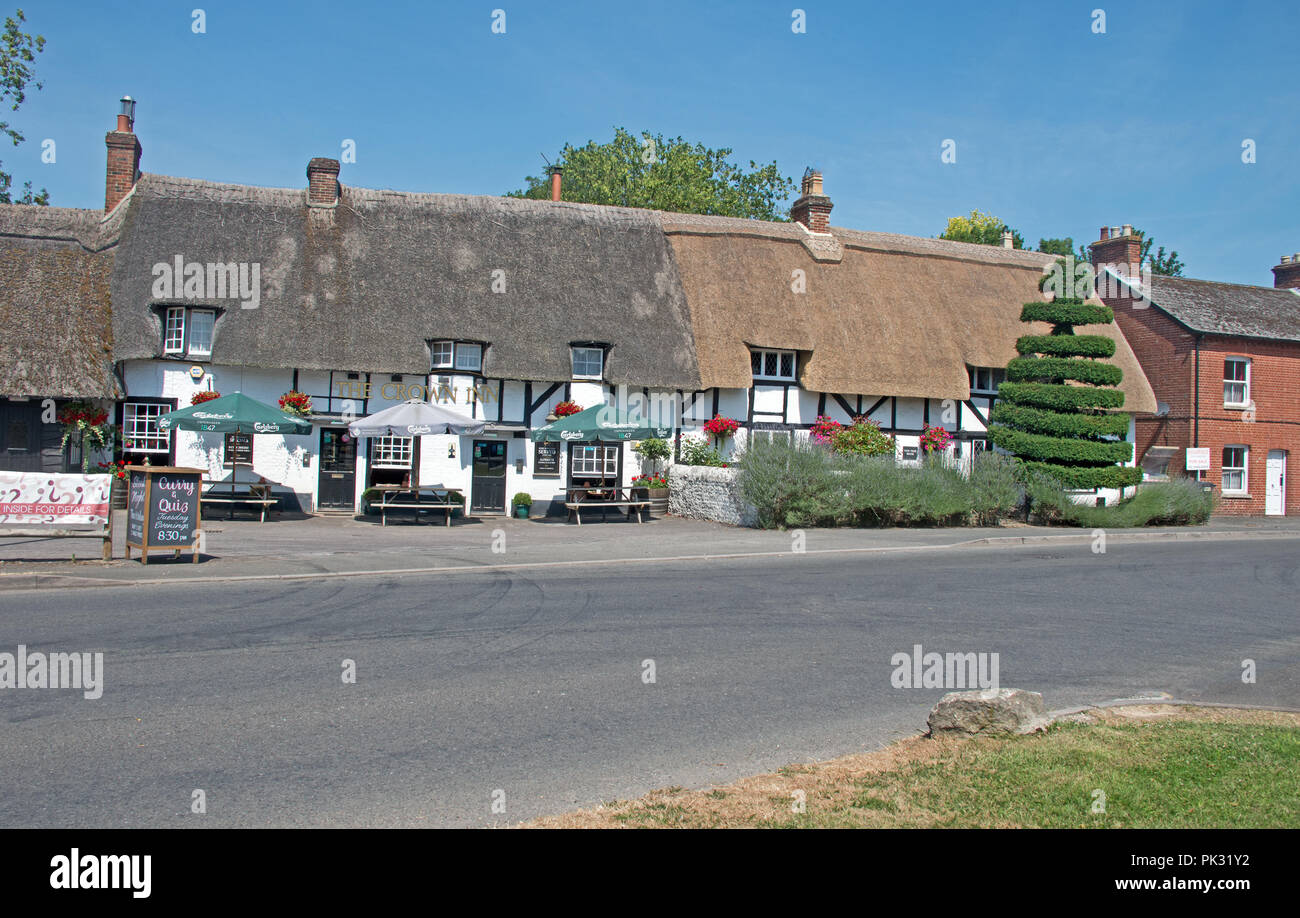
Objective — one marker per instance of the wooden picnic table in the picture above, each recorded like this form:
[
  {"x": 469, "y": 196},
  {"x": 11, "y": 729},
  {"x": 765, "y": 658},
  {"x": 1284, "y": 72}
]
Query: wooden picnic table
[
  {"x": 603, "y": 496},
  {"x": 406, "y": 497},
  {"x": 232, "y": 493}
]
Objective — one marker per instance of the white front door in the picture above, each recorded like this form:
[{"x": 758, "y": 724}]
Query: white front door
[{"x": 1275, "y": 484}]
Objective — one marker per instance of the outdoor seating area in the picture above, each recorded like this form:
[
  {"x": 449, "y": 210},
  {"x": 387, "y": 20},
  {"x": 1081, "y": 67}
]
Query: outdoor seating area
[
  {"x": 255, "y": 496},
  {"x": 417, "y": 500},
  {"x": 604, "y": 498}
]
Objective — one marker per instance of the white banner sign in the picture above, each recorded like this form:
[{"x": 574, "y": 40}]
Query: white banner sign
[
  {"x": 1198, "y": 459},
  {"x": 47, "y": 499}
]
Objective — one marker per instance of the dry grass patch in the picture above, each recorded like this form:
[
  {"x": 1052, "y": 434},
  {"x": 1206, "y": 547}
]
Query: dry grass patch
[{"x": 1158, "y": 765}]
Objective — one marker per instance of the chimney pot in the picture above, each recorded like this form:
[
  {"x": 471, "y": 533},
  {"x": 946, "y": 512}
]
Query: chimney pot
[
  {"x": 1105, "y": 232},
  {"x": 1286, "y": 276},
  {"x": 1118, "y": 248},
  {"x": 813, "y": 209},
  {"x": 1008, "y": 241},
  {"x": 557, "y": 173},
  {"x": 1286, "y": 260},
  {"x": 323, "y": 181},
  {"x": 1128, "y": 229}
]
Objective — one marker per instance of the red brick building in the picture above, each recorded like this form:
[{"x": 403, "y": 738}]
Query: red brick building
[{"x": 1224, "y": 362}]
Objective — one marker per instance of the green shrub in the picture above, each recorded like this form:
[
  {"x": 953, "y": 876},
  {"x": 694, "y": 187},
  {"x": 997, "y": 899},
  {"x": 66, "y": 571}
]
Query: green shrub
[
  {"x": 522, "y": 499},
  {"x": 1067, "y": 312},
  {"x": 1179, "y": 502},
  {"x": 1056, "y": 397},
  {"x": 1062, "y": 449},
  {"x": 996, "y": 486},
  {"x": 1058, "y": 424},
  {"x": 653, "y": 451},
  {"x": 863, "y": 438},
  {"x": 1082, "y": 477},
  {"x": 1067, "y": 345},
  {"x": 697, "y": 451},
  {"x": 1059, "y": 369}
]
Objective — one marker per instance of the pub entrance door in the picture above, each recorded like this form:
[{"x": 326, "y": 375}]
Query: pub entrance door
[
  {"x": 488, "y": 493},
  {"x": 337, "y": 480}
]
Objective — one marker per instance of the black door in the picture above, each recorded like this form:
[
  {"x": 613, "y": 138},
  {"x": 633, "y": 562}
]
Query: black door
[
  {"x": 20, "y": 436},
  {"x": 489, "y": 486},
  {"x": 338, "y": 470}
]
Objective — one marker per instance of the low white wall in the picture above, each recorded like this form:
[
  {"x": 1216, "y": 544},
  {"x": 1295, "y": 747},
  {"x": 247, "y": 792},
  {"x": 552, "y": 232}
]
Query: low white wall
[{"x": 706, "y": 493}]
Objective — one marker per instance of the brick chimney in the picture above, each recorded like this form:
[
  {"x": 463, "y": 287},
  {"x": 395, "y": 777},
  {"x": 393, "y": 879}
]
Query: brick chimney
[
  {"x": 1120, "y": 248},
  {"x": 557, "y": 173},
  {"x": 123, "y": 156},
  {"x": 322, "y": 182},
  {"x": 1286, "y": 276},
  {"x": 813, "y": 209}
]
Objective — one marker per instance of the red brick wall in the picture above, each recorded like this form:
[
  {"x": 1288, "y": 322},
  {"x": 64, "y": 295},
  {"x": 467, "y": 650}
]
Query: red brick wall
[
  {"x": 123, "y": 166},
  {"x": 1167, "y": 353}
]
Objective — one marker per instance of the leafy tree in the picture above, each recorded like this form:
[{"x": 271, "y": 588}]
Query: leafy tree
[
  {"x": 1062, "y": 247},
  {"x": 665, "y": 174},
  {"x": 1051, "y": 410},
  {"x": 1159, "y": 263},
  {"x": 981, "y": 229},
  {"x": 18, "y": 51}
]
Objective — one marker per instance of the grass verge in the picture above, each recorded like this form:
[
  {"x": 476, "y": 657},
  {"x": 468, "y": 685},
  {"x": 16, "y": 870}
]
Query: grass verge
[{"x": 1158, "y": 766}]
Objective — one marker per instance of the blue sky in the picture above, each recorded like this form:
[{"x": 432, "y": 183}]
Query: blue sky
[{"x": 1058, "y": 130}]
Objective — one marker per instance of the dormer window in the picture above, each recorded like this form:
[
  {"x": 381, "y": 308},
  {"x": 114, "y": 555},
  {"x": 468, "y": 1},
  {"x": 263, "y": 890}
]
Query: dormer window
[
  {"x": 768, "y": 364},
  {"x": 985, "y": 380},
  {"x": 456, "y": 355},
  {"x": 588, "y": 362},
  {"x": 188, "y": 332}
]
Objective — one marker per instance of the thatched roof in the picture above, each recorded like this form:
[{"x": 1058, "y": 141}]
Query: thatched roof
[
  {"x": 362, "y": 286},
  {"x": 55, "y": 268},
  {"x": 1236, "y": 310},
  {"x": 882, "y": 313}
]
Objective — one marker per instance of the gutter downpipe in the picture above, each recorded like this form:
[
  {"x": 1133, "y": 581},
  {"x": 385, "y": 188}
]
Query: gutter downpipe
[{"x": 1196, "y": 419}]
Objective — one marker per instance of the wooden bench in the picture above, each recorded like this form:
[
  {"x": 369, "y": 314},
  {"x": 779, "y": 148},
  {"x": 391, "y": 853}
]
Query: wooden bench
[
  {"x": 441, "y": 502},
  {"x": 257, "y": 496},
  {"x": 622, "y": 499}
]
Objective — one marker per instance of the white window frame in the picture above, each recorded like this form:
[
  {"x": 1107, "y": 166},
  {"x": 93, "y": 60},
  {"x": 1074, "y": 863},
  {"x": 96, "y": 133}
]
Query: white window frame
[
  {"x": 440, "y": 362},
  {"x": 573, "y": 361},
  {"x": 140, "y": 423},
  {"x": 192, "y": 349},
  {"x": 391, "y": 452},
  {"x": 462, "y": 351},
  {"x": 588, "y": 457},
  {"x": 174, "y": 330},
  {"x": 1244, "y": 383},
  {"x": 994, "y": 382},
  {"x": 763, "y": 354},
  {"x": 1243, "y": 470}
]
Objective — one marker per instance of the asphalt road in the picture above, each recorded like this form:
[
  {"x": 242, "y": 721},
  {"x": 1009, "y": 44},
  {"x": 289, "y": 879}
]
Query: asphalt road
[{"x": 528, "y": 688}]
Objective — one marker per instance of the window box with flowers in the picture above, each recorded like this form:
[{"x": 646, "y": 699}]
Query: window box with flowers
[
  {"x": 650, "y": 487},
  {"x": 88, "y": 427},
  {"x": 203, "y": 395},
  {"x": 721, "y": 428},
  {"x": 296, "y": 403}
]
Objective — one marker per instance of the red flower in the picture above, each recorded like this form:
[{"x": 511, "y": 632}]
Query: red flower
[
  {"x": 203, "y": 396},
  {"x": 721, "y": 427},
  {"x": 564, "y": 409}
]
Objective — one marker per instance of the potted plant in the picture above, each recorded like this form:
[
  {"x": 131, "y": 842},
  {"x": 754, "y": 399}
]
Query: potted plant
[
  {"x": 203, "y": 395},
  {"x": 368, "y": 497},
  {"x": 650, "y": 487},
  {"x": 521, "y": 503},
  {"x": 117, "y": 470},
  {"x": 652, "y": 452},
  {"x": 935, "y": 440},
  {"x": 296, "y": 403},
  {"x": 455, "y": 497}
]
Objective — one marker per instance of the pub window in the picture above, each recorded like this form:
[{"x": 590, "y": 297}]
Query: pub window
[
  {"x": 594, "y": 460},
  {"x": 442, "y": 354},
  {"x": 588, "y": 362},
  {"x": 1234, "y": 469},
  {"x": 140, "y": 433},
  {"x": 174, "y": 337},
  {"x": 985, "y": 380},
  {"x": 766, "y": 364},
  {"x": 469, "y": 357},
  {"x": 1236, "y": 382},
  {"x": 188, "y": 331},
  {"x": 391, "y": 452}
]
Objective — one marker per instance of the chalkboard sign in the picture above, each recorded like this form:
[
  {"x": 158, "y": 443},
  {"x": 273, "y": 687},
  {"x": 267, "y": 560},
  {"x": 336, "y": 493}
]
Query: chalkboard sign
[
  {"x": 910, "y": 453},
  {"x": 162, "y": 509},
  {"x": 546, "y": 460},
  {"x": 239, "y": 450}
]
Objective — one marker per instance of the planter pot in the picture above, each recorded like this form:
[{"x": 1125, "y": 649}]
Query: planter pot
[
  {"x": 657, "y": 493},
  {"x": 118, "y": 494},
  {"x": 521, "y": 511}
]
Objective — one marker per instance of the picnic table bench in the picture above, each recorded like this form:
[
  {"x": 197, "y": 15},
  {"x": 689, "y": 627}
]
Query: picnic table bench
[
  {"x": 590, "y": 498},
  {"x": 257, "y": 496},
  {"x": 404, "y": 497}
]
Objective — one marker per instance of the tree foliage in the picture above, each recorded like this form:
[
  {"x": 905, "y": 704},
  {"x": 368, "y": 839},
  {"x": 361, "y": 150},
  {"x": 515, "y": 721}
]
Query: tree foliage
[
  {"x": 1159, "y": 263},
  {"x": 666, "y": 174},
  {"x": 18, "y": 50},
  {"x": 1051, "y": 410},
  {"x": 981, "y": 229}
]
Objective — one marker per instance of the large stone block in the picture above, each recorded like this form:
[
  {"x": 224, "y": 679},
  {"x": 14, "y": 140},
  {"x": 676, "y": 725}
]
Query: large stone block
[{"x": 989, "y": 711}]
